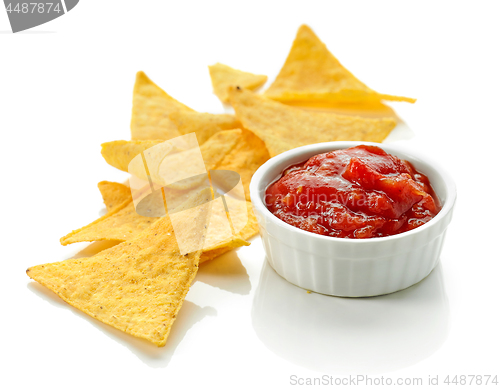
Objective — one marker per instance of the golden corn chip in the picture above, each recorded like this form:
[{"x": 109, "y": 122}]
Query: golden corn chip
[
  {"x": 203, "y": 124},
  {"x": 150, "y": 109},
  {"x": 283, "y": 128},
  {"x": 224, "y": 76},
  {"x": 174, "y": 168},
  {"x": 114, "y": 194},
  {"x": 250, "y": 230},
  {"x": 121, "y": 224},
  {"x": 126, "y": 224},
  {"x": 369, "y": 109},
  {"x": 212, "y": 254},
  {"x": 311, "y": 72},
  {"x": 246, "y": 157},
  {"x": 252, "y": 227},
  {"x": 119, "y": 153},
  {"x": 137, "y": 286}
]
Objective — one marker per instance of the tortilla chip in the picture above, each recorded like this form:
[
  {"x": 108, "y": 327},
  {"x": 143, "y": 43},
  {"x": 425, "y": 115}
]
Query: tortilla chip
[
  {"x": 126, "y": 224},
  {"x": 213, "y": 152},
  {"x": 283, "y": 128},
  {"x": 120, "y": 153},
  {"x": 368, "y": 109},
  {"x": 250, "y": 230},
  {"x": 137, "y": 286},
  {"x": 245, "y": 158},
  {"x": 113, "y": 194},
  {"x": 311, "y": 72},
  {"x": 224, "y": 76},
  {"x": 252, "y": 227},
  {"x": 150, "y": 109},
  {"x": 175, "y": 171},
  {"x": 121, "y": 224},
  {"x": 203, "y": 124}
]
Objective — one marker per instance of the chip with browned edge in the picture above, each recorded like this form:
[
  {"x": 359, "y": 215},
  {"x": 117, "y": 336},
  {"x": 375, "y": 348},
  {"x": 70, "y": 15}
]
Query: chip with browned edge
[
  {"x": 283, "y": 128},
  {"x": 137, "y": 286},
  {"x": 312, "y": 73},
  {"x": 224, "y": 76}
]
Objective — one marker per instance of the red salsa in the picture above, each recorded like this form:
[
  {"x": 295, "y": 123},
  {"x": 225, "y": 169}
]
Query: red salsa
[{"x": 360, "y": 192}]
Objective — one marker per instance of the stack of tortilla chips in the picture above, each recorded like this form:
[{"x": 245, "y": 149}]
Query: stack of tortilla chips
[{"x": 139, "y": 285}]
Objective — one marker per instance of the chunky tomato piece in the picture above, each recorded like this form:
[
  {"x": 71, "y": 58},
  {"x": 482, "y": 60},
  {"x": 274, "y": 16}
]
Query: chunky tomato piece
[{"x": 360, "y": 192}]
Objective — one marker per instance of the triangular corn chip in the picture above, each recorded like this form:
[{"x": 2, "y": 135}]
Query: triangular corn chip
[
  {"x": 120, "y": 153},
  {"x": 246, "y": 157},
  {"x": 312, "y": 73},
  {"x": 224, "y": 76},
  {"x": 137, "y": 286},
  {"x": 114, "y": 194},
  {"x": 283, "y": 128},
  {"x": 368, "y": 109},
  {"x": 121, "y": 224},
  {"x": 250, "y": 230},
  {"x": 150, "y": 109},
  {"x": 126, "y": 224},
  {"x": 203, "y": 124}
]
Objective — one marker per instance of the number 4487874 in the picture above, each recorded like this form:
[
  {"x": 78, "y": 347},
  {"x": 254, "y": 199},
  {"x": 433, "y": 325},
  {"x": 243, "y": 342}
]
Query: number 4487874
[
  {"x": 34, "y": 8},
  {"x": 471, "y": 379}
]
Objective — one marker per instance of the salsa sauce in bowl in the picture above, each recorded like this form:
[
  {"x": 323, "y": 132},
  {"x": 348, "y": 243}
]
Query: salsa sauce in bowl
[{"x": 359, "y": 192}]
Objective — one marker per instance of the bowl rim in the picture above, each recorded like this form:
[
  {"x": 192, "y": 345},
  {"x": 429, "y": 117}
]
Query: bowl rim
[{"x": 318, "y": 148}]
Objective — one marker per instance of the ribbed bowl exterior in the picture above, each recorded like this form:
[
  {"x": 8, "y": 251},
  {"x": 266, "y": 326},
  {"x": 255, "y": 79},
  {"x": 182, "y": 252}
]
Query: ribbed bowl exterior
[{"x": 351, "y": 267}]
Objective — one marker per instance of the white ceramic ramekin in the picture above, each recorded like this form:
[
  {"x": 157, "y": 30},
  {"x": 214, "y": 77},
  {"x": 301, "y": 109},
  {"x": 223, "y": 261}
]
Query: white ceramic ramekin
[{"x": 351, "y": 267}]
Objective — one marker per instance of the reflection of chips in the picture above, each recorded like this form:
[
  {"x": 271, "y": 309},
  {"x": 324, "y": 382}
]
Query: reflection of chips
[
  {"x": 203, "y": 124},
  {"x": 246, "y": 158},
  {"x": 311, "y": 72},
  {"x": 137, "y": 286},
  {"x": 150, "y": 110},
  {"x": 114, "y": 194},
  {"x": 283, "y": 128},
  {"x": 224, "y": 76}
]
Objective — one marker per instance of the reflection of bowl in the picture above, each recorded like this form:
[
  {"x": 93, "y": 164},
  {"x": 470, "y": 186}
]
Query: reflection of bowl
[
  {"x": 344, "y": 335},
  {"x": 351, "y": 267}
]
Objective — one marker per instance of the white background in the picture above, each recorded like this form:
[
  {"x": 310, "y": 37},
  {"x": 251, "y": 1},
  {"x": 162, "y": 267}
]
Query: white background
[{"x": 66, "y": 87}]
